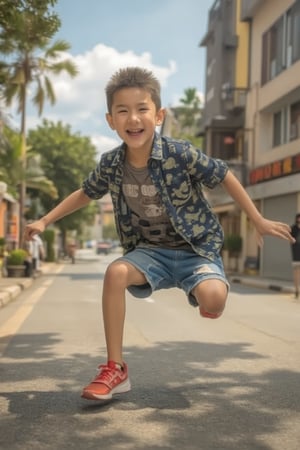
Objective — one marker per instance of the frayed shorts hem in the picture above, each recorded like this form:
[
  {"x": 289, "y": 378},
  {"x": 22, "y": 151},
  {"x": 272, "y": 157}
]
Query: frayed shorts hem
[{"x": 166, "y": 268}]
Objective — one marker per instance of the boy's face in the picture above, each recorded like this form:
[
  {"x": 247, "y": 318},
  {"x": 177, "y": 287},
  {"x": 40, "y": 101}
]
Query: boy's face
[{"x": 134, "y": 117}]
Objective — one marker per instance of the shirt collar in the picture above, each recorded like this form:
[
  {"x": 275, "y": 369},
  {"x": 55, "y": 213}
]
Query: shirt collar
[{"x": 156, "y": 152}]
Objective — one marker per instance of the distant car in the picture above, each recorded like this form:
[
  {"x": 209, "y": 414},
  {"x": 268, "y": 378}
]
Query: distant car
[{"x": 103, "y": 248}]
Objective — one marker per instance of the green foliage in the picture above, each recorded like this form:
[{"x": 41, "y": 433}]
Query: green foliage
[
  {"x": 191, "y": 99},
  {"x": 187, "y": 118},
  {"x": 16, "y": 257},
  {"x": 26, "y": 30},
  {"x": 233, "y": 243},
  {"x": 67, "y": 158},
  {"x": 41, "y": 21},
  {"x": 2, "y": 246},
  {"x": 49, "y": 238},
  {"x": 12, "y": 172}
]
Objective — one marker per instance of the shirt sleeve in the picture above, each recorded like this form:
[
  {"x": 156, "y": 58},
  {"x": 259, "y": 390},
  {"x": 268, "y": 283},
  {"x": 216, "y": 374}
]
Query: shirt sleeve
[
  {"x": 95, "y": 185},
  {"x": 209, "y": 171}
]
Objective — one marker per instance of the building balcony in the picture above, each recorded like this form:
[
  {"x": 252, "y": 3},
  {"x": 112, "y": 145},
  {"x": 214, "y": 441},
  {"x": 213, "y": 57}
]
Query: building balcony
[
  {"x": 234, "y": 99},
  {"x": 248, "y": 8}
]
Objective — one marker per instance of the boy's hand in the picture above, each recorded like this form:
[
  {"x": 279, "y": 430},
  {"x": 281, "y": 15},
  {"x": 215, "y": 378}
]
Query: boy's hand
[
  {"x": 33, "y": 228},
  {"x": 273, "y": 228}
]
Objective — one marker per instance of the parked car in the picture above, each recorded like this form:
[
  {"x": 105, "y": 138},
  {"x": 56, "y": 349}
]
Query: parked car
[{"x": 103, "y": 248}]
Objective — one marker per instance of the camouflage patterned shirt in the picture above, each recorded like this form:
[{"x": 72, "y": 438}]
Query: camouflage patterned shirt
[{"x": 178, "y": 171}]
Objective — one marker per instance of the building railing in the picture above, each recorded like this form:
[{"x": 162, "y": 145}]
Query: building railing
[{"x": 234, "y": 98}]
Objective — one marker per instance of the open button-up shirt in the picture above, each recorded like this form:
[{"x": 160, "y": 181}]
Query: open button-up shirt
[{"x": 178, "y": 171}]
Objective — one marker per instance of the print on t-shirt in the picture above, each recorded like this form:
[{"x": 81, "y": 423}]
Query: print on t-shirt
[{"x": 149, "y": 216}]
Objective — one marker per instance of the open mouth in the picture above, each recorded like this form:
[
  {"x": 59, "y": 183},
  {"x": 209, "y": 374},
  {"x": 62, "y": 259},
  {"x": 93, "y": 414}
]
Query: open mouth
[{"x": 135, "y": 132}]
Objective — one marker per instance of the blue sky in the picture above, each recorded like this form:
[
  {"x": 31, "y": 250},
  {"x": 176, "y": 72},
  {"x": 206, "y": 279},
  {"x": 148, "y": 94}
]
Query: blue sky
[{"x": 162, "y": 35}]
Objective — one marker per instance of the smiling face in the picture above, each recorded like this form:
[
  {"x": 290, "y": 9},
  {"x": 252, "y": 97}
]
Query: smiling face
[{"x": 134, "y": 117}]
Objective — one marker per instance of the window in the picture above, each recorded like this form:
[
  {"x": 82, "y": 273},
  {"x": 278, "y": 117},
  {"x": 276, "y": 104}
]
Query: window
[
  {"x": 281, "y": 44},
  {"x": 295, "y": 121},
  {"x": 224, "y": 145},
  {"x": 273, "y": 54},
  {"x": 280, "y": 127},
  {"x": 294, "y": 37}
]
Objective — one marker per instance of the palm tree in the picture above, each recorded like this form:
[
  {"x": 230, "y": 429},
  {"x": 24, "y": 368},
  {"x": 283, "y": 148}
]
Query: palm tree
[
  {"x": 191, "y": 98},
  {"x": 24, "y": 66},
  {"x": 11, "y": 171},
  {"x": 191, "y": 111}
]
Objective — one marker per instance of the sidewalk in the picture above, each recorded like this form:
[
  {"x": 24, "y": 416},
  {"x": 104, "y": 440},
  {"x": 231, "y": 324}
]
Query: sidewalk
[
  {"x": 265, "y": 283},
  {"x": 11, "y": 287}
]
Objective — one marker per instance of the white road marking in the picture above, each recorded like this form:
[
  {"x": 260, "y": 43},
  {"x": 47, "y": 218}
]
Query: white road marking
[
  {"x": 12, "y": 325},
  {"x": 149, "y": 300}
]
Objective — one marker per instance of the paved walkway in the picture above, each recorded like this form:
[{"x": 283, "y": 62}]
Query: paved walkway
[
  {"x": 265, "y": 283},
  {"x": 10, "y": 288}
]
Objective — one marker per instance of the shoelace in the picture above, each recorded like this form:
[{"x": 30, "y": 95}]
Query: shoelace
[{"x": 105, "y": 373}]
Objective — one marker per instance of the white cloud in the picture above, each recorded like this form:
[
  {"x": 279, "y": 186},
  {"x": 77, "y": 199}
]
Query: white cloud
[
  {"x": 80, "y": 101},
  {"x": 103, "y": 143}
]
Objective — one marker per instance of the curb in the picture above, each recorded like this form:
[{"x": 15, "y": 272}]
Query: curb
[
  {"x": 14, "y": 288},
  {"x": 262, "y": 284},
  {"x": 11, "y": 292}
]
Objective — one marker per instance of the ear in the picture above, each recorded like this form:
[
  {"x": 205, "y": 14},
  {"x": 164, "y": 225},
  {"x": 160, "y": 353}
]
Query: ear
[
  {"x": 160, "y": 115},
  {"x": 110, "y": 121}
]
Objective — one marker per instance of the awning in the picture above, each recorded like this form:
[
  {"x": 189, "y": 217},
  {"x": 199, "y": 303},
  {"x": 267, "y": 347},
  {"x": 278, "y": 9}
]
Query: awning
[{"x": 9, "y": 198}]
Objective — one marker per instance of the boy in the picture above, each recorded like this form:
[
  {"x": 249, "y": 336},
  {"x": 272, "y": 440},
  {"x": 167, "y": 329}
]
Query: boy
[{"x": 170, "y": 236}]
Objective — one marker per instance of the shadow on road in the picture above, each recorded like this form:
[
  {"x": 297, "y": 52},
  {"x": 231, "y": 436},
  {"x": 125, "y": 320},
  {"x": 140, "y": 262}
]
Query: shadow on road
[{"x": 177, "y": 401}]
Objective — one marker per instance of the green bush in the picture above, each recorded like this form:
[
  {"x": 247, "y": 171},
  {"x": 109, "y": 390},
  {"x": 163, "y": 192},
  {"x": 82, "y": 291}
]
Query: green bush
[
  {"x": 233, "y": 243},
  {"x": 16, "y": 257},
  {"x": 2, "y": 246},
  {"x": 49, "y": 238}
]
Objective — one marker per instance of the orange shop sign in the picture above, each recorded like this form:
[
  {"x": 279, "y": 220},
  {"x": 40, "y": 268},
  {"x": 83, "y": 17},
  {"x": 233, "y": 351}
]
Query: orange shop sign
[{"x": 276, "y": 169}]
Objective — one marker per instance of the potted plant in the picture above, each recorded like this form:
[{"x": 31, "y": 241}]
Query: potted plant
[
  {"x": 233, "y": 243},
  {"x": 2, "y": 246},
  {"x": 2, "y": 255},
  {"x": 16, "y": 263}
]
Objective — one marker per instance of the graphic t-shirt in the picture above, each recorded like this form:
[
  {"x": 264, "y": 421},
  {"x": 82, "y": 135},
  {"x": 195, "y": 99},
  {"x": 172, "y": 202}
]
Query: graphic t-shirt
[{"x": 149, "y": 217}]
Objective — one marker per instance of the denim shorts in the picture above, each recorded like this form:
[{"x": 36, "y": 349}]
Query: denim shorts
[{"x": 168, "y": 268}]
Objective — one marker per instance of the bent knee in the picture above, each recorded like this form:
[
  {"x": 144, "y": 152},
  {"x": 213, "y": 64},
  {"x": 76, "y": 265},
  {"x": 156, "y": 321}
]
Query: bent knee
[
  {"x": 122, "y": 272},
  {"x": 211, "y": 295},
  {"x": 116, "y": 272}
]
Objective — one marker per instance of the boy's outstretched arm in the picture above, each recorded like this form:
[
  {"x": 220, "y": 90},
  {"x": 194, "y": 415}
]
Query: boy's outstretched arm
[
  {"x": 263, "y": 226},
  {"x": 72, "y": 203}
]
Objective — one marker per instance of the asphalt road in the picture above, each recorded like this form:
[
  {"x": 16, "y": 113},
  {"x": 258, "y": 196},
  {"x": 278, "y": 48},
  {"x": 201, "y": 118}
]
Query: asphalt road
[{"x": 226, "y": 384}]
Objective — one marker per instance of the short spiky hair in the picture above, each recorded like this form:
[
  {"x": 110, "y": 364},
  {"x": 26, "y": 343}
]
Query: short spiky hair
[{"x": 133, "y": 77}]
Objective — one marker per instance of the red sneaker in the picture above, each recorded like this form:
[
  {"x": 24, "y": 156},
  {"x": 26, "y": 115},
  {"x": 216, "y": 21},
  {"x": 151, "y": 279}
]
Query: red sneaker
[
  {"x": 208, "y": 315},
  {"x": 110, "y": 380}
]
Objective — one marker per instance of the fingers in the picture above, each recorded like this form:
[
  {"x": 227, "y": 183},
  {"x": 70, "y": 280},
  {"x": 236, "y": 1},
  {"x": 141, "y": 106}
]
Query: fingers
[
  {"x": 30, "y": 232},
  {"x": 276, "y": 229},
  {"x": 283, "y": 231}
]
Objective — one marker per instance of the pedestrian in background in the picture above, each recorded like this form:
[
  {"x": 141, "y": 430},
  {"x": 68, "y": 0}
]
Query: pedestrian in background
[
  {"x": 295, "y": 247},
  {"x": 170, "y": 234},
  {"x": 36, "y": 250}
]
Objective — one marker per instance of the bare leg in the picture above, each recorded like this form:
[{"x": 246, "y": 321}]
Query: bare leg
[
  {"x": 118, "y": 276},
  {"x": 211, "y": 295},
  {"x": 296, "y": 273}
]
